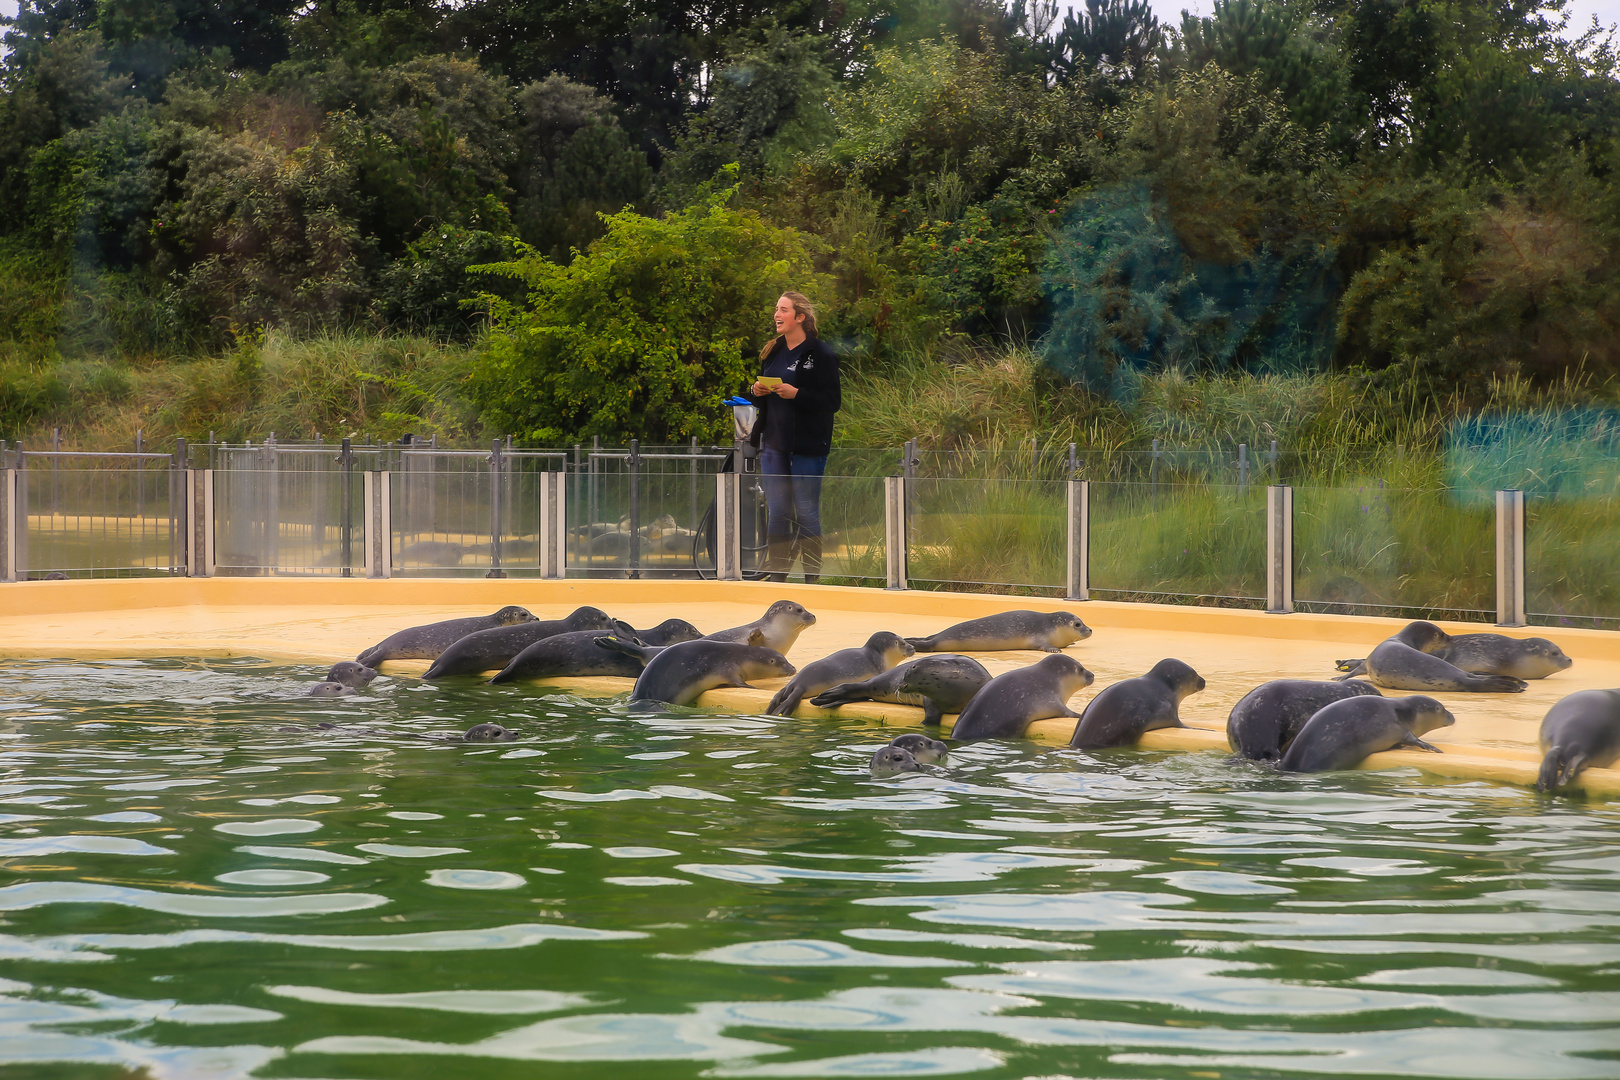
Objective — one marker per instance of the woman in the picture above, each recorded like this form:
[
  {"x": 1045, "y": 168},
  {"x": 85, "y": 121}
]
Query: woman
[{"x": 794, "y": 435}]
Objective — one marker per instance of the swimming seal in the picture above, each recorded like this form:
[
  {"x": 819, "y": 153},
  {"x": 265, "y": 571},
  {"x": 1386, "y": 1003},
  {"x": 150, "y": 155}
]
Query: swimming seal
[
  {"x": 1267, "y": 718},
  {"x": 1343, "y": 733},
  {"x": 1490, "y": 654},
  {"x": 927, "y": 751},
  {"x": 427, "y": 642},
  {"x": 889, "y": 760},
  {"x": 881, "y": 652},
  {"x": 1122, "y": 712},
  {"x": 489, "y": 733},
  {"x": 1580, "y": 732},
  {"x": 1009, "y": 703},
  {"x": 1046, "y": 631},
  {"x": 330, "y": 689},
  {"x": 583, "y": 652},
  {"x": 668, "y": 632},
  {"x": 493, "y": 649},
  {"x": 350, "y": 673},
  {"x": 1405, "y": 662},
  {"x": 939, "y": 684},
  {"x": 781, "y": 625},
  {"x": 682, "y": 672}
]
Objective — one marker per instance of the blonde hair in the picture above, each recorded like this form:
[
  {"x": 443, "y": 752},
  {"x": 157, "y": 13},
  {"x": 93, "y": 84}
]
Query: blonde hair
[{"x": 801, "y": 306}]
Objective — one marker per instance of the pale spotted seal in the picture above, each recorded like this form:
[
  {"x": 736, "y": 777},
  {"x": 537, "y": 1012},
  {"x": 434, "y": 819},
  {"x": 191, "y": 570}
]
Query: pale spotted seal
[
  {"x": 781, "y": 625},
  {"x": 1343, "y": 733},
  {"x": 927, "y": 751},
  {"x": 682, "y": 672},
  {"x": 1046, "y": 631},
  {"x": 427, "y": 642},
  {"x": 1405, "y": 662},
  {"x": 881, "y": 652},
  {"x": 888, "y": 760},
  {"x": 938, "y": 684}
]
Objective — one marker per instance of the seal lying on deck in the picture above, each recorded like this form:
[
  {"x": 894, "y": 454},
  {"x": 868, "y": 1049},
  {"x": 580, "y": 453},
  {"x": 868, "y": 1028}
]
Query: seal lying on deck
[
  {"x": 682, "y": 672},
  {"x": 1122, "y": 712},
  {"x": 1047, "y": 632},
  {"x": 427, "y": 642},
  {"x": 668, "y": 632},
  {"x": 1267, "y": 718},
  {"x": 1342, "y": 734},
  {"x": 1009, "y": 703},
  {"x": 939, "y": 684},
  {"x": 780, "y": 626},
  {"x": 493, "y": 649},
  {"x": 1487, "y": 654},
  {"x": 583, "y": 652},
  {"x": 1580, "y": 732},
  {"x": 1404, "y": 662},
  {"x": 881, "y": 652}
]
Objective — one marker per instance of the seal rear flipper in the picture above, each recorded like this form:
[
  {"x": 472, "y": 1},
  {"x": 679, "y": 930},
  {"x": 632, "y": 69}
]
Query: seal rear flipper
[
  {"x": 841, "y": 694},
  {"x": 630, "y": 647},
  {"x": 920, "y": 644},
  {"x": 1348, "y": 665},
  {"x": 1502, "y": 684}
]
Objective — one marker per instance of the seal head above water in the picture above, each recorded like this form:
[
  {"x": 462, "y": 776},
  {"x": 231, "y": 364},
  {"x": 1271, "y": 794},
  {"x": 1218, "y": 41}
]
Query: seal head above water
[{"x": 927, "y": 751}]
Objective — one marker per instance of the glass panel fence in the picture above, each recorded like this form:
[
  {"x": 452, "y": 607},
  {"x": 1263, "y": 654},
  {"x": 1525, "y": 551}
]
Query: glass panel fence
[
  {"x": 1178, "y": 541},
  {"x": 297, "y": 515},
  {"x": 1374, "y": 550},
  {"x": 654, "y": 521},
  {"x": 1572, "y": 545},
  {"x": 988, "y": 532},
  {"x": 85, "y": 521},
  {"x": 852, "y": 544}
]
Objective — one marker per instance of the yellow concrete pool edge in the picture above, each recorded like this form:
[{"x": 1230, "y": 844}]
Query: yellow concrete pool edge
[{"x": 147, "y": 600}]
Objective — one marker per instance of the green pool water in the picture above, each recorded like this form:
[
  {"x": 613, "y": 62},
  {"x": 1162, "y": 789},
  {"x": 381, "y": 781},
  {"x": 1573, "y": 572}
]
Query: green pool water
[{"x": 201, "y": 882}]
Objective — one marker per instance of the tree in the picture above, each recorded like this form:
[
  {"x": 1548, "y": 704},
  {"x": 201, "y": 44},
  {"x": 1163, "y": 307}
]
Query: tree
[{"x": 1113, "y": 41}]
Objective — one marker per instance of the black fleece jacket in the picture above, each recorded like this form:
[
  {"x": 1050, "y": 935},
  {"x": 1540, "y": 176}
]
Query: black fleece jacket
[{"x": 808, "y": 415}]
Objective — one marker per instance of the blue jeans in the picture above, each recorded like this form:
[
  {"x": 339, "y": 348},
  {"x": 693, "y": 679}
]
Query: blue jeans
[{"x": 792, "y": 484}]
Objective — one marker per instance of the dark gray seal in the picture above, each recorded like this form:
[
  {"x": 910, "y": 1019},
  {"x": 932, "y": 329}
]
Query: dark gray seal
[
  {"x": 682, "y": 672},
  {"x": 1120, "y": 713},
  {"x": 1406, "y": 662},
  {"x": 888, "y": 760},
  {"x": 1343, "y": 733},
  {"x": 781, "y": 625},
  {"x": 427, "y": 642},
  {"x": 1267, "y": 718},
  {"x": 881, "y": 652},
  {"x": 489, "y": 733},
  {"x": 583, "y": 652},
  {"x": 938, "y": 684},
  {"x": 927, "y": 751},
  {"x": 1580, "y": 732},
  {"x": 350, "y": 673},
  {"x": 1046, "y": 631},
  {"x": 668, "y": 632},
  {"x": 1009, "y": 703},
  {"x": 1481, "y": 654},
  {"x": 493, "y": 649}
]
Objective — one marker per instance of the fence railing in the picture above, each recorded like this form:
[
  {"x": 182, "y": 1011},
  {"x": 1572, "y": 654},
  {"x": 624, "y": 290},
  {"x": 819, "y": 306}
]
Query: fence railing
[{"x": 1224, "y": 536}]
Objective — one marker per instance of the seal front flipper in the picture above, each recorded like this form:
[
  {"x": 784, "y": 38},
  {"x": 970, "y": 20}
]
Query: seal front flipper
[
  {"x": 1418, "y": 744},
  {"x": 932, "y": 717}
]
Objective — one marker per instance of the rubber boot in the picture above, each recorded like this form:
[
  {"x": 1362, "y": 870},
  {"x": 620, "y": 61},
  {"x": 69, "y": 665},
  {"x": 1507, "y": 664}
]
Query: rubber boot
[{"x": 810, "y": 548}]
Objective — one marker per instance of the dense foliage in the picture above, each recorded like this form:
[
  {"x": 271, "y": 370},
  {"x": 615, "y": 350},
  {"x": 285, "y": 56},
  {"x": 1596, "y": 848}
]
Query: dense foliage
[{"x": 605, "y": 197}]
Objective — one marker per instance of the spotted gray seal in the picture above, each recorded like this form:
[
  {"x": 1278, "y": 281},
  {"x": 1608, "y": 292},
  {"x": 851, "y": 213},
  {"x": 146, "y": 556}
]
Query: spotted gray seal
[
  {"x": 489, "y": 733},
  {"x": 938, "y": 684},
  {"x": 1010, "y": 702},
  {"x": 881, "y": 652},
  {"x": 1120, "y": 713},
  {"x": 1266, "y": 719},
  {"x": 927, "y": 751},
  {"x": 350, "y": 673},
  {"x": 682, "y": 672},
  {"x": 668, "y": 632},
  {"x": 1343, "y": 733},
  {"x": 428, "y": 641},
  {"x": 888, "y": 760},
  {"x": 781, "y": 625},
  {"x": 330, "y": 689},
  {"x": 1046, "y": 631},
  {"x": 1482, "y": 654},
  {"x": 1405, "y": 662},
  {"x": 581, "y": 653},
  {"x": 493, "y": 649},
  {"x": 1582, "y": 731}
]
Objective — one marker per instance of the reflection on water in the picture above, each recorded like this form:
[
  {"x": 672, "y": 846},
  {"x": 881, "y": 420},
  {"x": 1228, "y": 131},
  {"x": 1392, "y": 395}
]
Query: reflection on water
[{"x": 202, "y": 881}]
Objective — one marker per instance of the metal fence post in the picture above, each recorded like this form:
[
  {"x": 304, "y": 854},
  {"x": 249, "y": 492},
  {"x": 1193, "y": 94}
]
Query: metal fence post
[
  {"x": 200, "y": 503},
  {"x": 495, "y": 476},
  {"x": 1243, "y": 466},
  {"x": 894, "y": 529},
  {"x": 1079, "y": 576},
  {"x": 19, "y": 519},
  {"x": 179, "y": 512},
  {"x": 8, "y": 531},
  {"x": 634, "y": 464},
  {"x": 379, "y": 531},
  {"x": 728, "y": 526},
  {"x": 1510, "y": 558},
  {"x": 553, "y": 525},
  {"x": 346, "y": 537},
  {"x": 1279, "y": 549}
]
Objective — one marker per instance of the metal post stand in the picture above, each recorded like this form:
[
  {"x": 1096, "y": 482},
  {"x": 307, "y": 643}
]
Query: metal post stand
[
  {"x": 1079, "y": 554},
  {"x": 894, "y": 529},
  {"x": 553, "y": 525},
  {"x": 200, "y": 499},
  {"x": 1510, "y": 558},
  {"x": 728, "y": 526},
  {"x": 1279, "y": 549},
  {"x": 346, "y": 538},
  {"x": 8, "y": 528},
  {"x": 379, "y": 530},
  {"x": 634, "y": 465},
  {"x": 495, "y": 485},
  {"x": 179, "y": 512}
]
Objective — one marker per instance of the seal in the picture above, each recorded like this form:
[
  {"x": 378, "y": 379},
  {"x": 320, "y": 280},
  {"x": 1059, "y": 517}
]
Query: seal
[
  {"x": 489, "y": 733},
  {"x": 1343, "y": 733},
  {"x": 939, "y": 684},
  {"x": 889, "y": 760},
  {"x": 583, "y": 652},
  {"x": 1580, "y": 732},
  {"x": 1122, "y": 712},
  {"x": 493, "y": 649},
  {"x": 927, "y": 751},
  {"x": 1009, "y": 703},
  {"x": 1266, "y": 719},
  {"x": 668, "y": 632},
  {"x": 1046, "y": 631},
  {"x": 881, "y": 652},
  {"x": 682, "y": 672},
  {"x": 1481, "y": 654},
  {"x": 350, "y": 673},
  {"x": 781, "y": 625},
  {"x": 330, "y": 689},
  {"x": 427, "y": 642},
  {"x": 1406, "y": 662}
]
